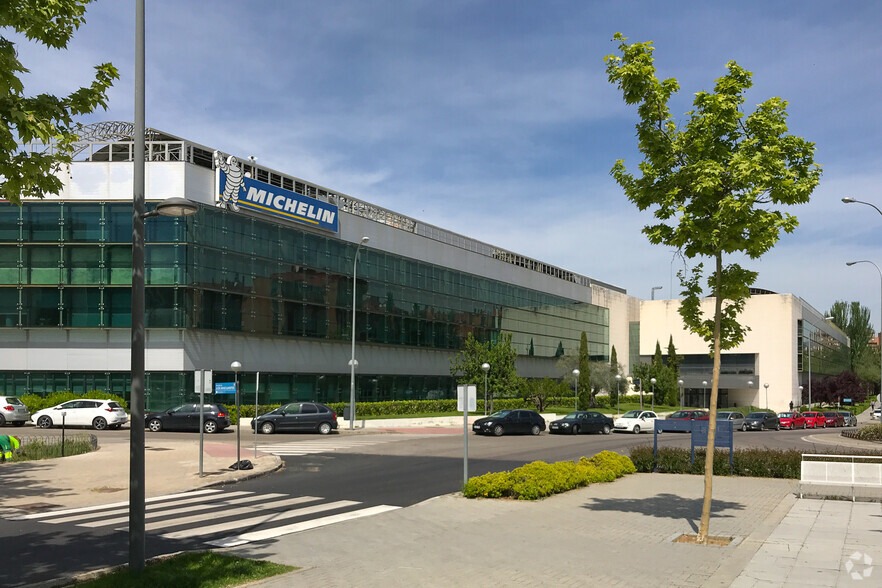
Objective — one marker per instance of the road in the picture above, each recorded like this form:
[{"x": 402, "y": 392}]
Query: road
[{"x": 325, "y": 479}]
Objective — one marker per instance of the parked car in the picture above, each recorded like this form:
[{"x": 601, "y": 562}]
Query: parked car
[
  {"x": 792, "y": 420},
  {"x": 736, "y": 418},
  {"x": 297, "y": 416},
  {"x": 850, "y": 419},
  {"x": 215, "y": 418},
  {"x": 877, "y": 413},
  {"x": 582, "y": 421},
  {"x": 760, "y": 421},
  {"x": 814, "y": 419},
  {"x": 636, "y": 421},
  {"x": 502, "y": 422},
  {"x": 688, "y": 415},
  {"x": 13, "y": 410},
  {"x": 85, "y": 412},
  {"x": 834, "y": 419}
]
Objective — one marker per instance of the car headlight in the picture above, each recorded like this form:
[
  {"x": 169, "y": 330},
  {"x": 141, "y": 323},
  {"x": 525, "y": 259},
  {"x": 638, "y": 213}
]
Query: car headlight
[{"x": 564, "y": 425}]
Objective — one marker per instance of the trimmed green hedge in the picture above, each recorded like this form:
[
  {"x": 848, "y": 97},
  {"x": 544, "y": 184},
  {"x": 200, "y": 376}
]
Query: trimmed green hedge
[
  {"x": 866, "y": 433},
  {"x": 540, "y": 479},
  {"x": 35, "y": 402},
  {"x": 754, "y": 462}
]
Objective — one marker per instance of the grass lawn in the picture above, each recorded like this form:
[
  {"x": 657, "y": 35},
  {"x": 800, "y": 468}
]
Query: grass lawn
[{"x": 192, "y": 570}]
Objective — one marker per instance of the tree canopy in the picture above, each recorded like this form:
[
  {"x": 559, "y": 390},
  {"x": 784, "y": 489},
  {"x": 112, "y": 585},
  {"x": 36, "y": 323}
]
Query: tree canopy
[
  {"x": 854, "y": 320},
  {"x": 714, "y": 185},
  {"x": 43, "y": 118},
  {"x": 502, "y": 378}
]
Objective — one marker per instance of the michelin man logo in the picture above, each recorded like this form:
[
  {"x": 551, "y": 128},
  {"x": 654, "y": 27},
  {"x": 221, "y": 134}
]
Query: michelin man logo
[
  {"x": 856, "y": 559},
  {"x": 235, "y": 179}
]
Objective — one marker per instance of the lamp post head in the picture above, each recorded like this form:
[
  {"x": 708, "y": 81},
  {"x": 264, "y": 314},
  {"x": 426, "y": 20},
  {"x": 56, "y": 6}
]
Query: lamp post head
[
  {"x": 848, "y": 200},
  {"x": 353, "y": 362},
  {"x": 365, "y": 240},
  {"x": 850, "y": 262},
  {"x": 174, "y": 207},
  {"x": 576, "y": 372},
  {"x": 236, "y": 367},
  {"x": 619, "y": 377},
  {"x": 485, "y": 367},
  {"x": 750, "y": 382},
  {"x": 766, "y": 385},
  {"x": 681, "y": 382},
  {"x": 652, "y": 380},
  {"x": 800, "y": 388},
  {"x": 704, "y": 382}
]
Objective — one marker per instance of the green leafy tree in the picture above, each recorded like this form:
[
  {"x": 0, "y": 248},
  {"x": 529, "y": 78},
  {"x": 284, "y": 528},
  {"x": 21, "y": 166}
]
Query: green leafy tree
[
  {"x": 542, "y": 392},
  {"x": 43, "y": 118},
  {"x": 713, "y": 185},
  {"x": 665, "y": 381},
  {"x": 502, "y": 378},
  {"x": 674, "y": 359},
  {"x": 603, "y": 379},
  {"x": 586, "y": 398},
  {"x": 614, "y": 359},
  {"x": 854, "y": 320}
]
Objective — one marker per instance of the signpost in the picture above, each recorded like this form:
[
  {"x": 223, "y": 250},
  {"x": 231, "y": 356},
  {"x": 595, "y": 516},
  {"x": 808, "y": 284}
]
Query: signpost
[{"x": 466, "y": 400}]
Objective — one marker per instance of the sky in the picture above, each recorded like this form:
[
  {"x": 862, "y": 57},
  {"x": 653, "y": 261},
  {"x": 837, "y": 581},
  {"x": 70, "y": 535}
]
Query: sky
[{"x": 495, "y": 119}]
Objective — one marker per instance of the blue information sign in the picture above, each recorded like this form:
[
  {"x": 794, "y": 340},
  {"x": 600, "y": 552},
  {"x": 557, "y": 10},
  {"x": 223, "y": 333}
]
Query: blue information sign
[{"x": 225, "y": 387}]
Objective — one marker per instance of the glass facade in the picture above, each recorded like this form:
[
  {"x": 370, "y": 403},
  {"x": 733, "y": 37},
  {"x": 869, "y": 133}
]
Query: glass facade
[
  {"x": 68, "y": 265},
  {"x": 828, "y": 355}
]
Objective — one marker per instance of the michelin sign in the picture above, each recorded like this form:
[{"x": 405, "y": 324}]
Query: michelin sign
[{"x": 235, "y": 190}]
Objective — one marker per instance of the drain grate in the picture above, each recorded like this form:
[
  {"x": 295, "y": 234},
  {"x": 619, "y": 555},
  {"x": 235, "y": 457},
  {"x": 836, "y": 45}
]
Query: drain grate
[{"x": 158, "y": 448}]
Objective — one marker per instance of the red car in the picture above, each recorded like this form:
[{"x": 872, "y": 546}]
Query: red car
[
  {"x": 834, "y": 419},
  {"x": 815, "y": 419},
  {"x": 792, "y": 420}
]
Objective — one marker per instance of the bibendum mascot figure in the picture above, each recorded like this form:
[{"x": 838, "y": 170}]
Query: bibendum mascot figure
[{"x": 235, "y": 179}]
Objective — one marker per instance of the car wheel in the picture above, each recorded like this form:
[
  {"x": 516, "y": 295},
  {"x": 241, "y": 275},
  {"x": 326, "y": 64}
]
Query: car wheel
[
  {"x": 606, "y": 430},
  {"x": 209, "y": 426},
  {"x": 535, "y": 430},
  {"x": 744, "y": 427},
  {"x": 154, "y": 425},
  {"x": 778, "y": 427},
  {"x": 575, "y": 430},
  {"x": 267, "y": 428},
  {"x": 762, "y": 426},
  {"x": 99, "y": 423},
  {"x": 2, "y": 420},
  {"x": 324, "y": 428},
  {"x": 803, "y": 426},
  {"x": 636, "y": 429},
  {"x": 44, "y": 422},
  {"x": 498, "y": 430}
]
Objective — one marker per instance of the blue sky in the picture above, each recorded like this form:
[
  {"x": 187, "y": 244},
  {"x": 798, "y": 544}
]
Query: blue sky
[{"x": 495, "y": 119}]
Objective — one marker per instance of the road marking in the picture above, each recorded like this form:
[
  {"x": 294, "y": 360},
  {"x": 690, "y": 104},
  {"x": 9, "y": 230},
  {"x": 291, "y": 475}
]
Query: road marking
[
  {"x": 312, "y": 446},
  {"x": 43, "y": 515},
  {"x": 302, "y": 526}
]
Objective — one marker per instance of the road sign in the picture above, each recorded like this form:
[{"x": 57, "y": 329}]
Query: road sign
[
  {"x": 225, "y": 387},
  {"x": 472, "y": 395},
  {"x": 201, "y": 387}
]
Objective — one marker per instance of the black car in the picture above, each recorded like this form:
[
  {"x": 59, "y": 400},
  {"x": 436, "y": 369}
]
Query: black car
[
  {"x": 215, "y": 418},
  {"x": 510, "y": 421},
  {"x": 582, "y": 421},
  {"x": 760, "y": 421},
  {"x": 297, "y": 416}
]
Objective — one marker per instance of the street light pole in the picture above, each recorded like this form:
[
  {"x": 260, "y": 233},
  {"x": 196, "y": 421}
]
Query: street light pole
[
  {"x": 652, "y": 293},
  {"x": 800, "y": 395},
  {"x": 652, "y": 381},
  {"x": 236, "y": 367},
  {"x": 880, "y": 292},
  {"x": 766, "y": 386},
  {"x": 486, "y": 368},
  {"x": 681, "y": 393},
  {"x": 618, "y": 393},
  {"x": 703, "y": 393},
  {"x": 576, "y": 377},
  {"x": 352, "y": 363}
]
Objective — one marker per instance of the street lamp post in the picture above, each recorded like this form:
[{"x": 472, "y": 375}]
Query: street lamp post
[
  {"x": 880, "y": 280},
  {"x": 652, "y": 293},
  {"x": 800, "y": 395},
  {"x": 681, "y": 393},
  {"x": 486, "y": 368},
  {"x": 766, "y": 386},
  {"x": 352, "y": 362},
  {"x": 618, "y": 393},
  {"x": 576, "y": 377},
  {"x": 652, "y": 381},
  {"x": 236, "y": 367},
  {"x": 703, "y": 393}
]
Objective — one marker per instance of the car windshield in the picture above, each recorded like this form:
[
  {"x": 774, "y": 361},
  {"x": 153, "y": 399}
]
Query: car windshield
[
  {"x": 723, "y": 416},
  {"x": 680, "y": 414},
  {"x": 499, "y": 414},
  {"x": 574, "y": 415},
  {"x": 757, "y": 415},
  {"x": 631, "y": 414},
  {"x": 785, "y": 415}
]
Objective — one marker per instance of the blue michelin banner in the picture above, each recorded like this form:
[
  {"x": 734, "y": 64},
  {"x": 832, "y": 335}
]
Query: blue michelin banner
[{"x": 235, "y": 191}]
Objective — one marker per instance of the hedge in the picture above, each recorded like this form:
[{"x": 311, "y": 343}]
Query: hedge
[
  {"x": 866, "y": 433},
  {"x": 754, "y": 462},
  {"x": 540, "y": 479}
]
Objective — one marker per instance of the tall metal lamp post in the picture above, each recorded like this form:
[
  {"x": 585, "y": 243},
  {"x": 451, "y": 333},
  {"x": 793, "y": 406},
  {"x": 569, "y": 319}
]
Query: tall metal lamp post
[
  {"x": 576, "y": 377},
  {"x": 352, "y": 362},
  {"x": 880, "y": 280},
  {"x": 766, "y": 386},
  {"x": 800, "y": 395},
  {"x": 486, "y": 368},
  {"x": 681, "y": 393},
  {"x": 237, "y": 367},
  {"x": 653, "y": 381},
  {"x": 652, "y": 292},
  {"x": 703, "y": 393},
  {"x": 618, "y": 393},
  {"x": 171, "y": 207}
]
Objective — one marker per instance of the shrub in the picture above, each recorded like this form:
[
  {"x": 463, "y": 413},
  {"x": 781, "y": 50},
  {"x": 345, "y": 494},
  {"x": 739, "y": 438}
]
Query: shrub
[
  {"x": 869, "y": 433},
  {"x": 34, "y": 448},
  {"x": 539, "y": 479}
]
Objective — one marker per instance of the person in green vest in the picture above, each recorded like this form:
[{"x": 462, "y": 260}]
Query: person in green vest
[{"x": 8, "y": 444}]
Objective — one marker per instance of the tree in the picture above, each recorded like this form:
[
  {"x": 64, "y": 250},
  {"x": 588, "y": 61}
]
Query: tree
[
  {"x": 603, "y": 379},
  {"x": 502, "y": 378},
  {"x": 712, "y": 185},
  {"x": 665, "y": 381},
  {"x": 586, "y": 398},
  {"x": 613, "y": 359},
  {"x": 43, "y": 118},
  {"x": 541, "y": 392},
  {"x": 674, "y": 359},
  {"x": 854, "y": 320}
]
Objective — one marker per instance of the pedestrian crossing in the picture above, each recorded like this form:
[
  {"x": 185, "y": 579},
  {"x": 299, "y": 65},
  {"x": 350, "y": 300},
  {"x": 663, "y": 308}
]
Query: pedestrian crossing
[
  {"x": 217, "y": 517},
  {"x": 325, "y": 445}
]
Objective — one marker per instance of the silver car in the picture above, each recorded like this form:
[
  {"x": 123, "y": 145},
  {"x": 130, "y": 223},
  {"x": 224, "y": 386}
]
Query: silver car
[
  {"x": 13, "y": 410},
  {"x": 736, "y": 418}
]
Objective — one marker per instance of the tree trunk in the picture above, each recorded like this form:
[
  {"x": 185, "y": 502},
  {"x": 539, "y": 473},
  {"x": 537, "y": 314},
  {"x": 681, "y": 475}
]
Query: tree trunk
[{"x": 712, "y": 416}]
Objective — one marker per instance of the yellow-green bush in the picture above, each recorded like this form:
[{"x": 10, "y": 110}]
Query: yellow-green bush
[{"x": 539, "y": 479}]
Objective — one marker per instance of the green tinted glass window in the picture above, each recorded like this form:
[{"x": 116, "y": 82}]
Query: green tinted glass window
[
  {"x": 9, "y": 262},
  {"x": 81, "y": 307},
  {"x": 82, "y": 264},
  {"x": 43, "y": 264}
]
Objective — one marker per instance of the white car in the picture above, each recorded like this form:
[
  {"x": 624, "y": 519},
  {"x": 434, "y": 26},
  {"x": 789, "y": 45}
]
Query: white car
[
  {"x": 636, "y": 421},
  {"x": 85, "y": 412}
]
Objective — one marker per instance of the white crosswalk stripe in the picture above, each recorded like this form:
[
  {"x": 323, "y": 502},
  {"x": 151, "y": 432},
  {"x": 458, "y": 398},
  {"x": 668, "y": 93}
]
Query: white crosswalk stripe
[
  {"x": 217, "y": 515},
  {"x": 312, "y": 446}
]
